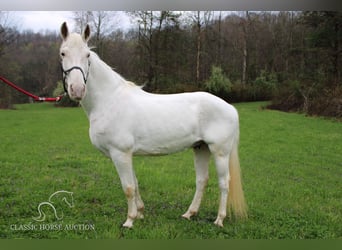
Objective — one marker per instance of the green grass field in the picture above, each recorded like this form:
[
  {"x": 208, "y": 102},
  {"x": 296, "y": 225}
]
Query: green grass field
[{"x": 291, "y": 167}]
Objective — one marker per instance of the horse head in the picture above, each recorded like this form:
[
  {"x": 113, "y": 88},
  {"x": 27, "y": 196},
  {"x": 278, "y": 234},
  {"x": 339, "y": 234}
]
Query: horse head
[{"x": 75, "y": 63}]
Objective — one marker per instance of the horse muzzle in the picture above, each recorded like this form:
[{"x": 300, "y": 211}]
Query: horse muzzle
[
  {"x": 75, "y": 88},
  {"x": 77, "y": 91}
]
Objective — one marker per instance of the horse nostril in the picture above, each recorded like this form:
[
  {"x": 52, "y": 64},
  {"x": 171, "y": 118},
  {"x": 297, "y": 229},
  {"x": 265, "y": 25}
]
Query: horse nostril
[{"x": 71, "y": 87}]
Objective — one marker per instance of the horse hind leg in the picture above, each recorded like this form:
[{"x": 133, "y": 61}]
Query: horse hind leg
[
  {"x": 222, "y": 168},
  {"x": 201, "y": 160}
]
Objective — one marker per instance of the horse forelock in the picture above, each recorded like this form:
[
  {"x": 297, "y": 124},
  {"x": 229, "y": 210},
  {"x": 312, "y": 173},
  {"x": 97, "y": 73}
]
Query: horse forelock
[{"x": 74, "y": 40}]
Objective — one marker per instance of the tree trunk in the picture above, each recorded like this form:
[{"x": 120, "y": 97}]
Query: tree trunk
[
  {"x": 150, "y": 51},
  {"x": 245, "y": 49},
  {"x": 336, "y": 68},
  {"x": 219, "y": 52},
  {"x": 198, "y": 48}
]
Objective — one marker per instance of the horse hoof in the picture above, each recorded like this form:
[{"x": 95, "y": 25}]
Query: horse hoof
[
  {"x": 140, "y": 216},
  {"x": 128, "y": 224},
  {"x": 218, "y": 222},
  {"x": 186, "y": 216}
]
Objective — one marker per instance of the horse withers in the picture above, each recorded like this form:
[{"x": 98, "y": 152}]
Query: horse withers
[{"x": 125, "y": 121}]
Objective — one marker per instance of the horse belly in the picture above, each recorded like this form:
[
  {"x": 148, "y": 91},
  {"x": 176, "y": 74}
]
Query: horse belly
[
  {"x": 163, "y": 148},
  {"x": 166, "y": 138}
]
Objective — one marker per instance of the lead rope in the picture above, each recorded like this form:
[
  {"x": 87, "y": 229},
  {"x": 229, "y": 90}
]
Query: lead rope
[{"x": 34, "y": 97}]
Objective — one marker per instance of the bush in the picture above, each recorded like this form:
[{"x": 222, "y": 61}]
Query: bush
[
  {"x": 264, "y": 86},
  {"x": 288, "y": 97},
  {"x": 311, "y": 98},
  {"x": 65, "y": 101},
  {"x": 328, "y": 103},
  {"x": 261, "y": 89},
  {"x": 218, "y": 81}
]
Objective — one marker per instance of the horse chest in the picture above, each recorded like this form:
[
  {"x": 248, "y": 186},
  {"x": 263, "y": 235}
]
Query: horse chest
[
  {"x": 97, "y": 139},
  {"x": 106, "y": 136}
]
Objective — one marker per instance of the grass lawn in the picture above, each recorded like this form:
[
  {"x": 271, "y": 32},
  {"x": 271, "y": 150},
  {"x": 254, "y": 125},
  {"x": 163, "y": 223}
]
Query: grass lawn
[{"x": 291, "y": 167}]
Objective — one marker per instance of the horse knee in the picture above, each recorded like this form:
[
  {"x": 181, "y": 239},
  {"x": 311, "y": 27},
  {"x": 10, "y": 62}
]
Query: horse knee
[
  {"x": 223, "y": 185},
  {"x": 140, "y": 207},
  {"x": 202, "y": 182},
  {"x": 129, "y": 192}
]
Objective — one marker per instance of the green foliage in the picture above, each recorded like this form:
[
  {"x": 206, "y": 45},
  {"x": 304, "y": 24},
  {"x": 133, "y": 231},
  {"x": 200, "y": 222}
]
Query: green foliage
[
  {"x": 264, "y": 85},
  {"x": 326, "y": 32},
  {"x": 65, "y": 101},
  {"x": 291, "y": 174},
  {"x": 261, "y": 89},
  {"x": 312, "y": 98},
  {"x": 59, "y": 90},
  {"x": 323, "y": 42},
  {"x": 218, "y": 81},
  {"x": 302, "y": 46},
  {"x": 266, "y": 80}
]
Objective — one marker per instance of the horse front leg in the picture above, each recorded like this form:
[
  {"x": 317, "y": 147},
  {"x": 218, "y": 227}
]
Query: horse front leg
[
  {"x": 124, "y": 167},
  {"x": 139, "y": 202}
]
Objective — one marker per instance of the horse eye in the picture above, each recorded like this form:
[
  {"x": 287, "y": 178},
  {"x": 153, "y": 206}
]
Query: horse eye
[
  {"x": 88, "y": 55},
  {"x": 62, "y": 54}
]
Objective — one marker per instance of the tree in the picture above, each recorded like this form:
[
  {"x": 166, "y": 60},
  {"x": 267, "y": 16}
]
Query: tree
[
  {"x": 316, "y": 41},
  {"x": 9, "y": 69},
  {"x": 245, "y": 27},
  {"x": 200, "y": 19},
  {"x": 8, "y": 32},
  {"x": 326, "y": 37},
  {"x": 150, "y": 25},
  {"x": 82, "y": 18},
  {"x": 101, "y": 24}
]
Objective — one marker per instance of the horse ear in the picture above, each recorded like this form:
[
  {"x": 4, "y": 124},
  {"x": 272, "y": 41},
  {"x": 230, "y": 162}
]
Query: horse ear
[
  {"x": 86, "y": 34},
  {"x": 64, "y": 31}
]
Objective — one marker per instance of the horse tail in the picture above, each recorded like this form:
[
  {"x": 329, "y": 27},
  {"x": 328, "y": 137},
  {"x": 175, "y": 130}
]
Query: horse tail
[{"x": 236, "y": 198}]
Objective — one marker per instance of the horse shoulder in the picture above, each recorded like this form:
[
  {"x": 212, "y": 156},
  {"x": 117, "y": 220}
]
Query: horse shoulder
[{"x": 109, "y": 130}]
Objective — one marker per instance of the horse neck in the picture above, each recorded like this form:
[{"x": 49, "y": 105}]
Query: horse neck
[{"x": 102, "y": 84}]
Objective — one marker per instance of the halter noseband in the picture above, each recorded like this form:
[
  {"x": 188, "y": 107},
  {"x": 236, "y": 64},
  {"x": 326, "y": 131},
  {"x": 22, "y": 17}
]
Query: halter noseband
[{"x": 66, "y": 73}]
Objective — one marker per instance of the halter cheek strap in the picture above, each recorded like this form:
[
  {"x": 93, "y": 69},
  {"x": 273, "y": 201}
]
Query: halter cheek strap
[{"x": 66, "y": 73}]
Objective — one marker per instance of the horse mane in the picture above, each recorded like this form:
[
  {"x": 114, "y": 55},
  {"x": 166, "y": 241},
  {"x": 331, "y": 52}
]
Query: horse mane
[{"x": 105, "y": 65}]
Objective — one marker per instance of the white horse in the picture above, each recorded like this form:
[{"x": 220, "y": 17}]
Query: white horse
[{"x": 126, "y": 121}]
